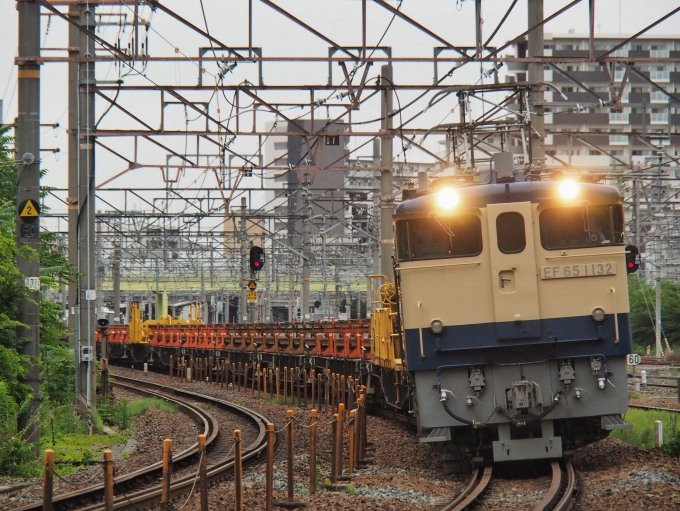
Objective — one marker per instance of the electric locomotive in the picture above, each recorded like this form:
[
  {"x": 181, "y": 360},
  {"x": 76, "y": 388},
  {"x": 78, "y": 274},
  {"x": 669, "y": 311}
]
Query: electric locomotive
[{"x": 514, "y": 310}]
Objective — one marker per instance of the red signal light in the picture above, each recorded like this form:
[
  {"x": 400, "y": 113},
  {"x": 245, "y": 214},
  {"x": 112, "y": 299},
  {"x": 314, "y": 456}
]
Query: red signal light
[{"x": 631, "y": 265}]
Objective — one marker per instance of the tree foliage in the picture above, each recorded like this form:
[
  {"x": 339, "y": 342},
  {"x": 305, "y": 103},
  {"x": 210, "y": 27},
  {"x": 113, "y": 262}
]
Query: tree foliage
[
  {"x": 56, "y": 360},
  {"x": 642, "y": 298}
]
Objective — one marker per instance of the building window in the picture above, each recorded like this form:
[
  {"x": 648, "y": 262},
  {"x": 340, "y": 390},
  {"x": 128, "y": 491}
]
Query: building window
[{"x": 280, "y": 146}]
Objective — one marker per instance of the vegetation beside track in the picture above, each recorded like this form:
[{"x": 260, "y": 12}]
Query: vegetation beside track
[{"x": 643, "y": 432}]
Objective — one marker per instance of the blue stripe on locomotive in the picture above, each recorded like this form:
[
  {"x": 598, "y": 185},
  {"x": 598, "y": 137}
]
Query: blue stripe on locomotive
[{"x": 518, "y": 342}]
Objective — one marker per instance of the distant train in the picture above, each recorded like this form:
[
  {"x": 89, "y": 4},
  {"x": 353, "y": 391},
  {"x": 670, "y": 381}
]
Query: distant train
[{"x": 505, "y": 331}]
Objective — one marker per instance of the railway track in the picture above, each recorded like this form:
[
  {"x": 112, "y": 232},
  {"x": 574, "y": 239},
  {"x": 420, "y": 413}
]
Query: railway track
[
  {"x": 141, "y": 489},
  {"x": 559, "y": 496}
]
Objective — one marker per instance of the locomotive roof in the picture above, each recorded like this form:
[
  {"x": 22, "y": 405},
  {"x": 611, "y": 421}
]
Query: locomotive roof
[{"x": 478, "y": 196}]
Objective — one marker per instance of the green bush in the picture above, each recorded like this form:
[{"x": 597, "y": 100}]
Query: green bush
[{"x": 121, "y": 413}]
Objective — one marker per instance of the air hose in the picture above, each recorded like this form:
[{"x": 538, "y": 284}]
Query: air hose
[
  {"x": 460, "y": 419},
  {"x": 545, "y": 412}
]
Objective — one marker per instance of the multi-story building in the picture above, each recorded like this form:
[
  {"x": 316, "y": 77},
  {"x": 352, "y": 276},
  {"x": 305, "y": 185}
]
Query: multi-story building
[{"x": 646, "y": 110}]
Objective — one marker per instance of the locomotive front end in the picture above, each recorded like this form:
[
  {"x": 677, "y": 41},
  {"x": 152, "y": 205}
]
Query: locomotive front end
[{"x": 514, "y": 306}]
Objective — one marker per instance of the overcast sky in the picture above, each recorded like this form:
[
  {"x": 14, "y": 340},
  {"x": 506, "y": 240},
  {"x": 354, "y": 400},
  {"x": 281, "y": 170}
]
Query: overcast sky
[{"x": 227, "y": 21}]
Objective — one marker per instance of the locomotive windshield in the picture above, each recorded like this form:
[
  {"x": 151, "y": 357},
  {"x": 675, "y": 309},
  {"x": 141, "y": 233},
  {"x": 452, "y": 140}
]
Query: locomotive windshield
[
  {"x": 439, "y": 237},
  {"x": 581, "y": 227}
]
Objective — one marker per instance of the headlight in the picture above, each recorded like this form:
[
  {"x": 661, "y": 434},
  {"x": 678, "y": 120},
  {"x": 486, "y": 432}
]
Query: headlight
[
  {"x": 598, "y": 314},
  {"x": 447, "y": 198},
  {"x": 568, "y": 189},
  {"x": 436, "y": 326}
]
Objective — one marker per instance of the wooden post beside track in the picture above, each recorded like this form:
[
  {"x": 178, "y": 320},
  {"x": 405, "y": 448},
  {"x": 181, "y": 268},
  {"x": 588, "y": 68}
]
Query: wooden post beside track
[
  {"x": 342, "y": 389},
  {"x": 352, "y": 419},
  {"x": 362, "y": 424},
  {"x": 238, "y": 472},
  {"x": 319, "y": 389},
  {"x": 341, "y": 420},
  {"x": 48, "y": 480},
  {"x": 304, "y": 384},
  {"x": 259, "y": 377},
  {"x": 167, "y": 470},
  {"x": 334, "y": 450},
  {"x": 252, "y": 379},
  {"x": 277, "y": 383},
  {"x": 312, "y": 379},
  {"x": 245, "y": 377},
  {"x": 171, "y": 366},
  {"x": 312, "y": 455},
  {"x": 265, "y": 373},
  {"x": 290, "y": 467},
  {"x": 285, "y": 385},
  {"x": 203, "y": 473},
  {"x": 332, "y": 402},
  {"x": 108, "y": 480}
]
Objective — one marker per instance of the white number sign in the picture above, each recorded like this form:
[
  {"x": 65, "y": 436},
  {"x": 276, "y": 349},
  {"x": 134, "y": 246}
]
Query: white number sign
[
  {"x": 90, "y": 294},
  {"x": 633, "y": 360},
  {"x": 32, "y": 283}
]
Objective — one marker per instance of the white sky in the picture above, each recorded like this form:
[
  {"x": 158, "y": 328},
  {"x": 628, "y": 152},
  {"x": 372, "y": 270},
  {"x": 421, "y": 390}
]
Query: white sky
[{"x": 339, "y": 19}]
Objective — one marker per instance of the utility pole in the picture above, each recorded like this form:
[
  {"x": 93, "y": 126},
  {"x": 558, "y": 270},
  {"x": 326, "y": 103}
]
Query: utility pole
[
  {"x": 535, "y": 49},
  {"x": 306, "y": 252},
  {"x": 324, "y": 268},
  {"x": 243, "y": 304},
  {"x": 115, "y": 273},
  {"x": 659, "y": 334},
  {"x": 386, "y": 177},
  {"x": 28, "y": 192},
  {"x": 81, "y": 180}
]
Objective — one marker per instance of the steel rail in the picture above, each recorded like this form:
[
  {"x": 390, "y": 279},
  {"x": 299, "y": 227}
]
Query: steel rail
[
  {"x": 561, "y": 493},
  {"x": 133, "y": 500},
  {"x": 207, "y": 425},
  {"x": 477, "y": 483}
]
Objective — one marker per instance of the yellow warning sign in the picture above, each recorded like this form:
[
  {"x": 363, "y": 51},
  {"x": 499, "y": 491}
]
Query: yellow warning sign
[
  {"x": 252, "y": 285},
  {"x": 29, "y": 209},
  {"x": 252, "y": 297}
]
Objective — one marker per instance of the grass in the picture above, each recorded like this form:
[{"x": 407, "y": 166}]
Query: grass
[
  {"x": 635, "y": 395},
  {"x": 121, "y": 413},
  {"x": 643, "y": 432},
  {"x": 275, "y": 400},
  {"x": 76, "y": 449},
  {"x": 140, "y": 406},
  {"x": 205, "y": 406},
  {"x": 351, "y": 490}
]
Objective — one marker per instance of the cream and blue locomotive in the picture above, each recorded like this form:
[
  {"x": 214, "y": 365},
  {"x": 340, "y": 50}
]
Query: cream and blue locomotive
[{"x": 514, "y": 310}]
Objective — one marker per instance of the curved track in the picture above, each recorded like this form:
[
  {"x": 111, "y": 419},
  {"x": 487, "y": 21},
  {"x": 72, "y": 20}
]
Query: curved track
[
  {"x": 138, "y": 487},
  {"x": 558, "y": 498},
  {"x": 475, "y": 486}
]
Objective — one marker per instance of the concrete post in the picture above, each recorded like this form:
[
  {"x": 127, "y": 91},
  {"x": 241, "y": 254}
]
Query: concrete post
[
  {"x": 28, "y": 189},
  {"x": 386, "y": 178},
  {"x": 659, "y": 333},
  {"x": 535, "y": 49}
]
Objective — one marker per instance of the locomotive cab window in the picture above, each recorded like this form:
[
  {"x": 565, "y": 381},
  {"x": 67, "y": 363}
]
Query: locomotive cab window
[
  {"x": 581, "y": 227},
  {"x": 510, "y": 233},
  {"x": 439, "y": 237}
]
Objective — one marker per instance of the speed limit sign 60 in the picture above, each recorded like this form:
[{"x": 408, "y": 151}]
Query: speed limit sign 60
[{"x": 633, "y": 360}]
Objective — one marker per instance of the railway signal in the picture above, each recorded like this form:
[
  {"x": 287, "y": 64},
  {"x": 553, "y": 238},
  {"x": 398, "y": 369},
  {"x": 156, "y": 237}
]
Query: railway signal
[
  {"x": 632, "y": 259},
  {"x": 256, "y": 258}
]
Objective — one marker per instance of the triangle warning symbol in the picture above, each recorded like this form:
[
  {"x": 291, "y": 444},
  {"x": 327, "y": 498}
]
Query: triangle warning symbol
[{"x": 29, "y": 210}]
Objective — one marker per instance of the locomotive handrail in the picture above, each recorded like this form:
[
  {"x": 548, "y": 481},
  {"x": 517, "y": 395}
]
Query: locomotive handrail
[
  {"x": 567, "y": 256},
  {"x": 397, "y": 268},
  {"x": 616, "y": 316}
]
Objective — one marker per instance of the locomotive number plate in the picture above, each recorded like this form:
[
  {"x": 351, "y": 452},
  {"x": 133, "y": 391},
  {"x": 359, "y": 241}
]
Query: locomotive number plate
[{"x": 577, "y": 270}]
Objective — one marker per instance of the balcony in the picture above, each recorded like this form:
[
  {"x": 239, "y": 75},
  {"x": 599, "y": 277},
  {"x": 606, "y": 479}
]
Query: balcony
[
  {"x": 618, "y": 139},
  {"x": 659, "y": 76},
  {"x": 658, "y": 54},
  {"x": 618, "y": 118},
  {"x": 658, "y": 97},
  {"x": 659, "y": 117}
]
